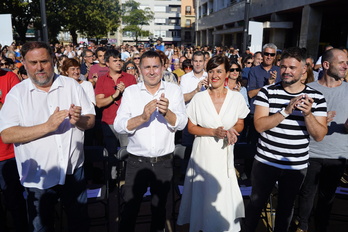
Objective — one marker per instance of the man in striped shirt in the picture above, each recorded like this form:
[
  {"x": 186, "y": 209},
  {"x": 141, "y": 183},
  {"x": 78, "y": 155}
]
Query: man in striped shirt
[{"x": 286, "y": 115}]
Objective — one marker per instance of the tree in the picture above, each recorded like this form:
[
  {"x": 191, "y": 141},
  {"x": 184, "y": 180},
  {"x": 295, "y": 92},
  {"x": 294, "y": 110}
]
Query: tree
[
  {"x": 135, "y": 18},
  {"x": 23, "y": 13},
  {"x": 92, "y": 18}
]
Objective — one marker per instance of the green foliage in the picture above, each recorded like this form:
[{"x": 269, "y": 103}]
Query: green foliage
[
  {"x": 135, "y": 18},
  {"x": 23, "y": 13},
  {"x": 92, "y": 18}
]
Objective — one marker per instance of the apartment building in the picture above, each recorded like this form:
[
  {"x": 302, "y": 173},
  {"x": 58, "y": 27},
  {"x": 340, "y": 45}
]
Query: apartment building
[{"x": 167, "y": 22}]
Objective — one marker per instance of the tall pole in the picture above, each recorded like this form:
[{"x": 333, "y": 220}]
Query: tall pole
[
  {"x": 246, "y": 24},
  {"x": 44, "y": 21}
]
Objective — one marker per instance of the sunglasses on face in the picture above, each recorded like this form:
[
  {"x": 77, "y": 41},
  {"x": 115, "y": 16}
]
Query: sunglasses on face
[
  {"x": 130, "y": 68},
  {"x": 269, "y": 54},
  {"x": 249, "y": 62},
  {"x": 235, "y": 69},
  {"x": 188, "y": 68},
  {"x": 136, "y": 58}
]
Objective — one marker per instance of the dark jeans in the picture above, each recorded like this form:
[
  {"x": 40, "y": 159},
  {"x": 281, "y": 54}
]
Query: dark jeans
[
  {"x": 73, "y": 196},
  {"x": 13, "y": 195},
  {"x": 139, "y": 176},
  {"x": 323, "y": 176},
  {"x": 263, "y": 179},
  {"x": 112, "y": 139}
]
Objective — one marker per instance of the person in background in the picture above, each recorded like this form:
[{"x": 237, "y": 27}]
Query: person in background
[
  {"x": 99, "y": 69},
  {"x": 247, "y": 64},
  {"x": 71, "y": 68},
  {"x": 257, "y": 57},
  {"x": 11, "y": 188},
  {"x": 234, "y": 81},
  {"x": 159, "y": 45},
  {"x": 131, "y": 68},
  {"x": 327, "y": 158},
  {"x": 177, "y": 70},
  {"x": 22, "y": 73},
  {"x": 87, "y": 62},
  {"x": 109, "y": 93},
  {"x": 308, "y": 77}
]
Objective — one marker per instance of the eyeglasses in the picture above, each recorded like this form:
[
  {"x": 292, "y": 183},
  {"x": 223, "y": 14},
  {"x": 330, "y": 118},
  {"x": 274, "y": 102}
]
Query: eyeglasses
[
  {"x": 130, "y": 68},
  {"x": 188, "y": 67},
  {"x": 269, "y": 54},
  {"x": 88, "y": 56},
  {"x": 235, "y": 69},
  {"x": 3, "y": 64},
  {"x": 136, "y": 58},
  {"x": 249, "y": 62},
  {"x": 308, "y": 64}
]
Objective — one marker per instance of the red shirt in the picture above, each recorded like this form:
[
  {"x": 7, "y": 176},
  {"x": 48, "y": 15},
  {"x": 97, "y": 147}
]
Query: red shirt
[
  {"x": 106, "y": 85},
  {"x": 7, "y": 81}
]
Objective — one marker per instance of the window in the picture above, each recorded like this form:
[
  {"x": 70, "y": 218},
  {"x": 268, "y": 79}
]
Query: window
[
  {"x": 188, "y": 10},
  {"x": 176, "y": 34},
  {"x": 187, "y": 35},
  {"x": 128, "y": 34},
  {"x": 188, "y": 23},
  {"x": 174, "y": 9},
  {"x": 159, "y": 21},
  {"x": 163, "y": 34},
  {"x": 159, "y": 9},
  {"x": 173, "y": 21},
  {"x": 157, "y": 34}
]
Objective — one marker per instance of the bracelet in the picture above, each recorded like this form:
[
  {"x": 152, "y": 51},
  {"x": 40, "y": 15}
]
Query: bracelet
[
  {"x": 113, "y": 99},
  {"x": 282, "y": 112}
]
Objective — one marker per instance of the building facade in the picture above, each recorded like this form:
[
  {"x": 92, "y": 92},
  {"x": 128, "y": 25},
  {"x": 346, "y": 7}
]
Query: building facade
[
  {"x": 166, "y": 24},
  {"x": 311, "y": 24},
  {"x": 188, "y": 18}
]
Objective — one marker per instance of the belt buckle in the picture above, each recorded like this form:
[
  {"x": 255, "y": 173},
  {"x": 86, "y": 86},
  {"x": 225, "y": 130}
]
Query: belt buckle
[{"x": 153, "y": 160}]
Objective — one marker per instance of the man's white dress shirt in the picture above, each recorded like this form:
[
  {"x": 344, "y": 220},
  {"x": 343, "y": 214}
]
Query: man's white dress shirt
[
  {"x": 44, "y": 162},
  {"x": 155, "y": 137}
]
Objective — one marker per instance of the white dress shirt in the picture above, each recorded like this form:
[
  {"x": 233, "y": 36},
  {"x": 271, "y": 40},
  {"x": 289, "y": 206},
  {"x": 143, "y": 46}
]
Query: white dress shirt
[
  {"x": 44, "y": 162},
  {"x": 155, "y": 137},
  {"x": 189, "y": 82}
]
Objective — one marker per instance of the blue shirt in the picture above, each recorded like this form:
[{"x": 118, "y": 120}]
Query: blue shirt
[
  {"x": 258, "y": 77},
  {"x": 159, "y": 47}
]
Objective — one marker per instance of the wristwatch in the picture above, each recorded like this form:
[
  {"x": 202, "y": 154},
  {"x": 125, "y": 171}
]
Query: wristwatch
[{"x": 282, "y": 112}]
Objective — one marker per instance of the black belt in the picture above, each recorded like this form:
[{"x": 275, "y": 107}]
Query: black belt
[{"x": 152, "y": 160}]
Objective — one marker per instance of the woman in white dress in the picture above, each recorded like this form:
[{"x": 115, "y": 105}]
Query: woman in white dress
[{"x": 212, "y": 201}]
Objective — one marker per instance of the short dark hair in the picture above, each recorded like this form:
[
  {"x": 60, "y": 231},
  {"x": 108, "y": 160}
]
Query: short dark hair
[
  {"x": 28, "y": 46},
  {"x": 294, "y": 52},
  {"x": 150, "y": 54},
  {"x": 111, "y": 53},
  {"x": 198, "y": 53},
  {"x": 85, "y": 51},
  {"x": 186, "y": 63},
  {"x": 103, "y": 49},
  {"x": 328, "y": 55},
  {"x": 22, "y": 70},
  {"x": 258, "y": 52},
  {"x": 70, "y": 62},
  {"x": 216, "y": 61}
]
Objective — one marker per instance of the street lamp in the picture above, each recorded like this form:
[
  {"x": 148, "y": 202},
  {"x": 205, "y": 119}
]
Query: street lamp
[
  {"x": 246, "y": 24},
  {"x": 44, "y": 21}
]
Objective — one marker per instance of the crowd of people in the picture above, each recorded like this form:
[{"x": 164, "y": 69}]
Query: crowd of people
[{"x": 56, "y": 99}]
